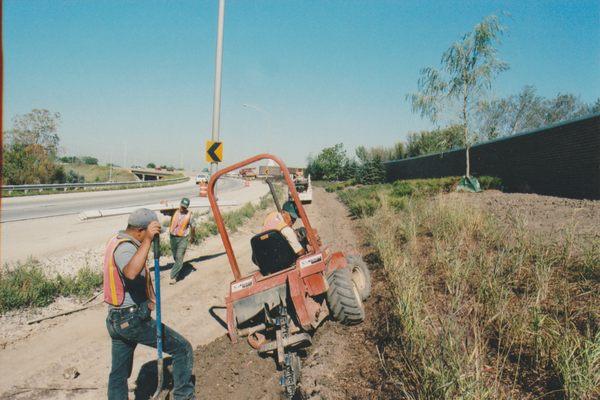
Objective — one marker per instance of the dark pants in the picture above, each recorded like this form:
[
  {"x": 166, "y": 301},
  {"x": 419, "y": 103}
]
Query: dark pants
[
  {"x": 178, "y": 246},
  {"x": 127, "y": 329}
]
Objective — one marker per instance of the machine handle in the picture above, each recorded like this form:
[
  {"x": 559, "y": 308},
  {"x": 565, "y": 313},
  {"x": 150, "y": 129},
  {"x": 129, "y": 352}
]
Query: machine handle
[{"x": 272, "y": 189}]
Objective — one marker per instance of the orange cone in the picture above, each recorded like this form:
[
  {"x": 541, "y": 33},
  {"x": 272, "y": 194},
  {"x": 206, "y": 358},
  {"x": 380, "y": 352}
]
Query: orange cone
[{"x": 203, "y": 189}]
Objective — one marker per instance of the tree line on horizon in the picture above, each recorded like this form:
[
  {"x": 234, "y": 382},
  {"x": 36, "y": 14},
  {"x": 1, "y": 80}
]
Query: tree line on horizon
[
  {"x": 30, "y": 152},
  {"x": 456, "y": 98}
]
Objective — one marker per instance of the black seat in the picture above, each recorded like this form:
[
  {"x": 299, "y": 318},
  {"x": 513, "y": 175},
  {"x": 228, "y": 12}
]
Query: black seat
[{"x": 271, "y": 252}]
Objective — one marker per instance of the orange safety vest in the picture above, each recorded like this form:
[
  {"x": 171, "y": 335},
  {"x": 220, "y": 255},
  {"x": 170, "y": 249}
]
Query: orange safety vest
[
  {"x": 114, "y": 284},
  {"x": 274, "y": 221},
  {"x": 178, "y": 224}
]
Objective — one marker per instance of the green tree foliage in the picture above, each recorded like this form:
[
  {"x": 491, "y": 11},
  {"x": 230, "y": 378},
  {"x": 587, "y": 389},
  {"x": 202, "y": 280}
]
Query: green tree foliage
[
  {"x": 151, "y": 165},
  {"x": 395, "y": 152},
  {"x": 29, "y": 164},
  {"x": 331, "y": 164},
  {"x": 70, "y": 160},
  {"x": 527, "y": 111},
  {"x": 435, "y": 141},
  {"x": 30, "y": 148},
  {"x": 457, "y": 90},
  {"x": 74, "y": 177},
  {"x": 89, "y": 160},
  {"x": 38, "y": 127}
]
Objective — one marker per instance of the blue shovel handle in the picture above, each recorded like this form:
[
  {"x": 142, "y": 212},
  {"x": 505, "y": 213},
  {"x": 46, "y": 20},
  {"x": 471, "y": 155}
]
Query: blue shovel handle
[
  {"x": 156, "y": 245},
  {"x": 159, "y": 344}
]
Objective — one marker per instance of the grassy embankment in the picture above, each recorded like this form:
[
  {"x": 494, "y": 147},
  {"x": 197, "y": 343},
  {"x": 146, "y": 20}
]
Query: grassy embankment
[
  {"x": 26, "y": 284},
  {"x": 93, "y": 174},
  {"x": 100, "y": 173},
  {"x": 477, "y": 308}
]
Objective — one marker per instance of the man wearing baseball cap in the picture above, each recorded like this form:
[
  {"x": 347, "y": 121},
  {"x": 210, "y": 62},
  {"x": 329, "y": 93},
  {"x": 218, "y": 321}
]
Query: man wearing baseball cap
[
  {"x": 179, "y": 232},
  {"x": 128, "y": 291}
]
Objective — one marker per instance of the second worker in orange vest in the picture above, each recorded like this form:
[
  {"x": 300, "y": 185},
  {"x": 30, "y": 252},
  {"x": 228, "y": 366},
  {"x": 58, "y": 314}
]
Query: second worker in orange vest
[{"x": 181, "y": 229}]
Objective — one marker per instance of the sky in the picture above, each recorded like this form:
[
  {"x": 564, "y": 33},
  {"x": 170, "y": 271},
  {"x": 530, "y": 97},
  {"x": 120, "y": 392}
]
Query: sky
[{"x": 133, "y": 80}]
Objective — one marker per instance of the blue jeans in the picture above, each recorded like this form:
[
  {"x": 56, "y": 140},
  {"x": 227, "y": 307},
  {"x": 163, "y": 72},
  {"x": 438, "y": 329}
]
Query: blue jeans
[{"x": 127, "y": 328}]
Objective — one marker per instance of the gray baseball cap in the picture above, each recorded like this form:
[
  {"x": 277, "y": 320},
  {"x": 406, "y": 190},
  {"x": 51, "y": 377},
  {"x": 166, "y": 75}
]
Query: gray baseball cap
[{"x": 141, "y": 218}]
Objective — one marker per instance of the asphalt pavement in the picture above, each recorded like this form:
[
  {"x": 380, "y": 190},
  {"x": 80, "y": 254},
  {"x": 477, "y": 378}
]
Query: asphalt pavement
[{"x": 43, "y": 206}]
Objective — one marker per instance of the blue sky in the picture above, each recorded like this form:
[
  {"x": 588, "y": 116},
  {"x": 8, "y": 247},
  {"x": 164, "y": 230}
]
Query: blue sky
[{"x": 133, "y": 80}]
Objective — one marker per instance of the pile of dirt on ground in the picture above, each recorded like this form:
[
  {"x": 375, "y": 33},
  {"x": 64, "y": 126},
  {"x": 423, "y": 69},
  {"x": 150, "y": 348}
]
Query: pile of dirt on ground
[
  {"x": 541, "y": 214},
  {"x": 234, "y": 371}
]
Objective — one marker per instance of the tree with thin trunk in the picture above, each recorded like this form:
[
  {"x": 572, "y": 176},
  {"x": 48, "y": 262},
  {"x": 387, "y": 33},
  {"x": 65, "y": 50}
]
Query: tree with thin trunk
[{"x": 457, "y": 90}]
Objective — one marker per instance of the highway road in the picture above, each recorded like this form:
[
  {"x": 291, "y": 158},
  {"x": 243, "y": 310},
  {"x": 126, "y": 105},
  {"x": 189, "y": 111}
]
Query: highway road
[{"x": 44, "y": 206}]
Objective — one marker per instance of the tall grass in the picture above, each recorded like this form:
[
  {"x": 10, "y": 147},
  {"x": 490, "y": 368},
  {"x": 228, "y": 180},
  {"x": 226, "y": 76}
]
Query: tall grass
[
  {"x": 27, "y": 285},
  {"x": 482, "y": 310},
  {"x": 364, "y": 200}
]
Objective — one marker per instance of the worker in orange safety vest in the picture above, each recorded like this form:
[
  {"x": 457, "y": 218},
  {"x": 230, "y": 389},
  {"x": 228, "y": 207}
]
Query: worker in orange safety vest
[
  {"x": 181, "y": 229},
  {"x": 283, "y": 222},
  {"x": 129, "y": 293}
]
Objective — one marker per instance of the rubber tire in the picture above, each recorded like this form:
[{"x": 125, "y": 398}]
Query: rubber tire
[
  {"x": 343, "y": 298},
  {"x": 358, "y": 263}
]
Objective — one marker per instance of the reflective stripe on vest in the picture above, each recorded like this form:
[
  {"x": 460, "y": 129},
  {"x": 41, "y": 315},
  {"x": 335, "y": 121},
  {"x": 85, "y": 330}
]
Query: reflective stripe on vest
[
  {"x": 114, "y": 285},
  {"x": 178, "y": 224},
  {"x": 274, "y": 221}
]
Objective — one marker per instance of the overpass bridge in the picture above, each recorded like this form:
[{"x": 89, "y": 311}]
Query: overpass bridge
[{"x": 151, "y": 174}]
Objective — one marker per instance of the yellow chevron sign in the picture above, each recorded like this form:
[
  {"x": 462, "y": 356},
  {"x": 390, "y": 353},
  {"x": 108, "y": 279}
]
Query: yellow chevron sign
[{"x": 214, "y": 151}]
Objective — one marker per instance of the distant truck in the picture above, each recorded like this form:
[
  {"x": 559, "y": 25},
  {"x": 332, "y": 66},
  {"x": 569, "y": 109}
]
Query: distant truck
[
  {"x": 304, "y": 188},
  {"x": 202, "y": 177},
  {"x": 248, "y": 173}
]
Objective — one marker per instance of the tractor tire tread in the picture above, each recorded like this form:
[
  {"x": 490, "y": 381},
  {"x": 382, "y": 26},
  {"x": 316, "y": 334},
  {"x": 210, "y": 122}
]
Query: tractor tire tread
[{"x": 343, "y": 303}]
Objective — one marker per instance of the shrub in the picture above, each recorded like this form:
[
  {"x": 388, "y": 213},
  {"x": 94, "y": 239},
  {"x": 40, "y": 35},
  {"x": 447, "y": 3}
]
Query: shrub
[
  {"x": 88, "y": 160},
  {"x": 70, "y": 160},
  {"x": 25, "y": 286}
]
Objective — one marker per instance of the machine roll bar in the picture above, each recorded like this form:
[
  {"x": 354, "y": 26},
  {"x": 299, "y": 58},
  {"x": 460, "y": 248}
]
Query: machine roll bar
[{"x": 310, "y": 233}]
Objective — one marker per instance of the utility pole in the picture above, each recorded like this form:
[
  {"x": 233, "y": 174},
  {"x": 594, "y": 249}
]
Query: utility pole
[
  {"x": 125, "y": 155},
  {"x": 216, "y": 121}
]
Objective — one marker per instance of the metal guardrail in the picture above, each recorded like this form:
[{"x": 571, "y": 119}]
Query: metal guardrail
[{"x": 85, "y": 186}]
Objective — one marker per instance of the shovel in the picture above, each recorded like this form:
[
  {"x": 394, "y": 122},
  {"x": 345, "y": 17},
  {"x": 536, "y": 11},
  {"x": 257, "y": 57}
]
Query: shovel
[{"x": 159, "y": 344}]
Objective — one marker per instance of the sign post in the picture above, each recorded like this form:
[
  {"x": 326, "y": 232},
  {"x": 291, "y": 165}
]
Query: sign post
[{"x": 218, "y": 68}]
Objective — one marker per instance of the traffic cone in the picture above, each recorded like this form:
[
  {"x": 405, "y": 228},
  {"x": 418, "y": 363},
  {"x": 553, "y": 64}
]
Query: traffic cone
[{"x": 203, "y": 189}]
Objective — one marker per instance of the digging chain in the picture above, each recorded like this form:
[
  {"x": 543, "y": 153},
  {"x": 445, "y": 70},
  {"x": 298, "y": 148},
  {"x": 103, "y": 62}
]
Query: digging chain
[{"x": 289, "y": 378}]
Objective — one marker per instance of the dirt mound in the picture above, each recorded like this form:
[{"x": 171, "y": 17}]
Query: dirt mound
[
  {"x": 234, "y": 371},
  {"x": 541, "y": 214}
]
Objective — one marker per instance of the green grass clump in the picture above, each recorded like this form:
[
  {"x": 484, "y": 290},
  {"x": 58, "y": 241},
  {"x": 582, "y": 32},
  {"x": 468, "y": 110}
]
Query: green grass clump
[{"x": 26, "y": 285}]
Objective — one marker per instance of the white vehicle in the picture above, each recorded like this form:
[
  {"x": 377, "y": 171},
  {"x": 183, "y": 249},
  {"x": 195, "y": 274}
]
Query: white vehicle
[
  {"x": 304, "y": 189},
  {"x": 203, "y": 177}
]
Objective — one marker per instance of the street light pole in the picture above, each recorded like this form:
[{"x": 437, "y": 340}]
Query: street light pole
[{"x": 216, "y": 121}]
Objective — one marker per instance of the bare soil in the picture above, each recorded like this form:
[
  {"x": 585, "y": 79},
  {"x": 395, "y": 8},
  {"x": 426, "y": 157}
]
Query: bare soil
[
  {"x": 342, "y": 359},
  {"x": 541, "y": 214}
]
